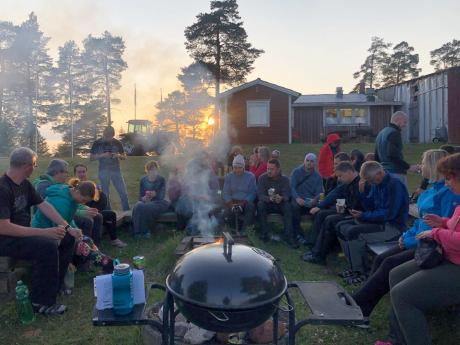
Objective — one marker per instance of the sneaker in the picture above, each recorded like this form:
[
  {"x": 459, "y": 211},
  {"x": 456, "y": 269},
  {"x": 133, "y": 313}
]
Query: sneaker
[
  {"x": 118, "y": 243},
  {"x": 275, "y": 238},
  {"x": 147, "y": 235},
  {"x": 49, "y": 310}
]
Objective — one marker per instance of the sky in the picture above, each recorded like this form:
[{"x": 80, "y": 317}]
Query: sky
[{"x": 311, "y": 46}]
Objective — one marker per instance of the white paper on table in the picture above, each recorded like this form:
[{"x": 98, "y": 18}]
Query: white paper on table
[{"x": 103, "y": 290}]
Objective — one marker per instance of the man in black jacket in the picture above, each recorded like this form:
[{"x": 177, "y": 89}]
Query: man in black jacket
[
  {"x": 274, "y": 194},
  {"x": 347, "y": 196},
  {"x": 389, "y": 147}
]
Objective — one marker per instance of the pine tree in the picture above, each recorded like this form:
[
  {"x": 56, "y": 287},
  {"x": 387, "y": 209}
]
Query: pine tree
[
  {"x": 72, "y": 92},
  {"x": 42, "y": 146},
  {"x": 7, "y": 137},
  {"x": 448, "y": 55},
  {"x": 370, "y": 70},
  {"x": 34, "y": 90},
  {"x": 104, "y": 58},
  {"x": 402, "y": 64},
  {"x": 218, "y": 40}
]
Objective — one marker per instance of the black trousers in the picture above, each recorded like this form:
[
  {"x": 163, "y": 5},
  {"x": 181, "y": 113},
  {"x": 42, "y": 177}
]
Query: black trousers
[
  {"x": 284, "y": 208},
  {"x": 109, "y": 220},
  {"x": 247, "y": 216},
  {"x": 297, "y": 212},
  {"x": 320, "y": 216},
  {"x": 91, "y": 227},
  {"x": 378, "y": 284},
  {"x": 50, "y": 261},
  {"x": 327, "y": 234}
]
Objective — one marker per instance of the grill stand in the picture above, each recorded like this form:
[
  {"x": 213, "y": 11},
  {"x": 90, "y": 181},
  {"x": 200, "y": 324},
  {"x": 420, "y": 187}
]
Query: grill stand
[{"x": 329, "y": 303}]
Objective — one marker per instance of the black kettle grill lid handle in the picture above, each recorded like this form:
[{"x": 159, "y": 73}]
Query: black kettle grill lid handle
[{"x": 228, "y": 243}]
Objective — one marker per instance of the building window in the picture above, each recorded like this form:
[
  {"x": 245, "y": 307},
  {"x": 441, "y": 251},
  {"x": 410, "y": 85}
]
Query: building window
[
  {"x": 346, "y": 116},
  {"x": 258, "y": 113}
]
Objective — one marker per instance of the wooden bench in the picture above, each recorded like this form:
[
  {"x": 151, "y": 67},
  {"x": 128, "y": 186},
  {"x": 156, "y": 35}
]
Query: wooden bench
[
  {"x": 123, "y": 217},
  {"x": 11, "y": 271},
  {"x": 380, "y": 247},
  {"x": 278, "y": 218}
]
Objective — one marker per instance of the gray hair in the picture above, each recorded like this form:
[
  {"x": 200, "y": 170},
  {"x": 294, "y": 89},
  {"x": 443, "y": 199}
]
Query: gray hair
[
  {"x": 370, "y": 169},
  {"x": 21, "y": 156},
  {"x": 398, "y": 115},
  {"x": 57, "y": 166}
]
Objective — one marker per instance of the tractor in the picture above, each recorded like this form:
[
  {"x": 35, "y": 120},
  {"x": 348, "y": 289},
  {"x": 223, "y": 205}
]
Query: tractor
[{"x": 142, "y": 139}]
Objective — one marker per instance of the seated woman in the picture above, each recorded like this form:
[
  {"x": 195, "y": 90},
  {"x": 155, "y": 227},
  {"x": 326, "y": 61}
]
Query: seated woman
[
  {"x": 263, "y": 156},
  {"x": 66, "y": 198},
  {"x": 438, "y": 199},
  {"x": 151, "y": 202},
  {"x": 413, "y": 290}
]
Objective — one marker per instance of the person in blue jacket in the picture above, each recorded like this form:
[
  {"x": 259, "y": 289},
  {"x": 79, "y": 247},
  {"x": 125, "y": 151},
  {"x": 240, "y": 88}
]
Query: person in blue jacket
[{"x": 437, "y": 199}]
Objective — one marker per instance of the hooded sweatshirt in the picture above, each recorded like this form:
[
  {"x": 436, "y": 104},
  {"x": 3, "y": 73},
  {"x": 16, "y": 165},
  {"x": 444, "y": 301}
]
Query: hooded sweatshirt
[
  {"x": 59, "y": 196},
  {"x": 326, "y": 156}
]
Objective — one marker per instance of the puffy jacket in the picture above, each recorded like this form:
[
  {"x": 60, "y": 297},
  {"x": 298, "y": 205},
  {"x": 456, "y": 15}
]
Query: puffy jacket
[
  {"x": 326, "y": 156},
  {"x": 439, "y": 200},
  {"x": 59, "y": 196},
  {"x": 388, "y": 150}
]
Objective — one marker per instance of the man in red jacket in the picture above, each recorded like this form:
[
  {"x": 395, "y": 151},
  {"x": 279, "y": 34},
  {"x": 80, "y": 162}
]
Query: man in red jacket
[{"x": 326, "y": 155}]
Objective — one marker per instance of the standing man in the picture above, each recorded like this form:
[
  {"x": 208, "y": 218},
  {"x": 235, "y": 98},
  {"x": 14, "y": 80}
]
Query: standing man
[
  {"x": 239, "y": 193},
  {"x": 109, "y": 151},
  {"x": 274, "y": 194},
  {"x": 50, "y": 250},
  {"x": 306, "y": 185},
  {"x": 389, "y": 147}
]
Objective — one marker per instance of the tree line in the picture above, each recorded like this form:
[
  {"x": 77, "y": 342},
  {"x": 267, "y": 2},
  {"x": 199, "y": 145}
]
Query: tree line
[
  {"x": 73, "y": 93},
  {"x": 385, "y": 67}
]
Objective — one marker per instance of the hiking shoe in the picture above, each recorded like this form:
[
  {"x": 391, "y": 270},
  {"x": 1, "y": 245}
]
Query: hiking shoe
[
  {"x": 147, "y": 235},
  {"x": 118, "y": 243},
  {"x": 49, "y": 310}
]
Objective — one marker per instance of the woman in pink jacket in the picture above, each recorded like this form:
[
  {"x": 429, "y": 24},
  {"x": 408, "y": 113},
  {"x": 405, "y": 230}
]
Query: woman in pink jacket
[{"x": 414, "y": 291}]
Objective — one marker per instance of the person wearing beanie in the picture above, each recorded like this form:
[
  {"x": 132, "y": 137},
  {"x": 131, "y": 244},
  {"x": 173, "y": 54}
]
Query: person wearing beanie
[
  {"x": 306, "y": 184},
  {"x": 239, "y": 194}
]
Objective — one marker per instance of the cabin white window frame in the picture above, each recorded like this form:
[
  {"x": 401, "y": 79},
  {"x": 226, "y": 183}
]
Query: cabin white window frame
[
  {"x": 257, "y": 105},
  {"x": 341, "y": 119}
]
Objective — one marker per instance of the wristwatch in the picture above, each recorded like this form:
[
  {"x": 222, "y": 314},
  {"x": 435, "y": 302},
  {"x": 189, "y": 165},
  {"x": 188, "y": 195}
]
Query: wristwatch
[{"x": 67, "y": 227}]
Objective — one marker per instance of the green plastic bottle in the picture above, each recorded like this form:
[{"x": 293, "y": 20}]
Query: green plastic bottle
[{"x": 24, "y": 306}]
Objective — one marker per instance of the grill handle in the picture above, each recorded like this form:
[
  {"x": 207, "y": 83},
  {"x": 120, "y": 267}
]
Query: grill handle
[
  {"x": 228, "y": 243},
  {"x": 224, "y": 317}
]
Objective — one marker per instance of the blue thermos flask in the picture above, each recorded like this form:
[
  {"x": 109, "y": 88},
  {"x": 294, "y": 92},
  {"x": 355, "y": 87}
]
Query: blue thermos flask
[{"x": 122, "y": 289}]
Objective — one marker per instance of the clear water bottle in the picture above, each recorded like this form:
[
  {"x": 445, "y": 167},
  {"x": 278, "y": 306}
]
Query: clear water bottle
[
  {"x": 24, "y": 306},
  {"x": 122, "y": 289}
]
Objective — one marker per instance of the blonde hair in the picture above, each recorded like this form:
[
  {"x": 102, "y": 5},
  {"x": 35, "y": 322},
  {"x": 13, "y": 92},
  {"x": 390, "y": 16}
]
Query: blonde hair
[
  {"x": 370, "y": 169},
  {"x": 150, "y": 164},
  {"x": 86, "y": 188},
  {"x": 264, "y": 153},
  {"x": 431, "y": 159}
]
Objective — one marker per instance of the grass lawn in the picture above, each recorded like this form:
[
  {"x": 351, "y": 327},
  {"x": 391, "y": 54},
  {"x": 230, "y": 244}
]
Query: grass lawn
[{"x": 75, "y": 326}]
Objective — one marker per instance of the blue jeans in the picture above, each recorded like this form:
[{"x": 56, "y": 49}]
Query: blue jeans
[{"x": 119, "y": 183}]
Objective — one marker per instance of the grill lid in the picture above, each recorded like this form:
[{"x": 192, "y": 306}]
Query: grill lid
[{"x": 228, "y": 277}]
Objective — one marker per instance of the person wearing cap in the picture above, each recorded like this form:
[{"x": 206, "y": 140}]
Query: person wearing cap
[
  {"x": 275, "y": 154},
  {"x": 306, "y": 185},
  {"x": 109, "y": 151},
  {"x": 86, "y": 218},
  {"x": 327, "y": 154},
  {"x": 239, "y": 193}
]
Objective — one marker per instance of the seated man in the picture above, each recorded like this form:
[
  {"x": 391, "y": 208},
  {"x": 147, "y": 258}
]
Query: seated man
[
  {"x": 49, "y": 249},
  {"x": 274, "y": 192},
  {"x": 151, "y": 202},
  {"x": 87, "y": 219},
  {"x": 306, "y": 185},
  {"x": 347, "y": 191},
  {"x": 325, "y": 207},
  {"x": 239, "y": 193},
  {"x": 384, "y": 216},
  {"x": 106, "y": 216}
]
